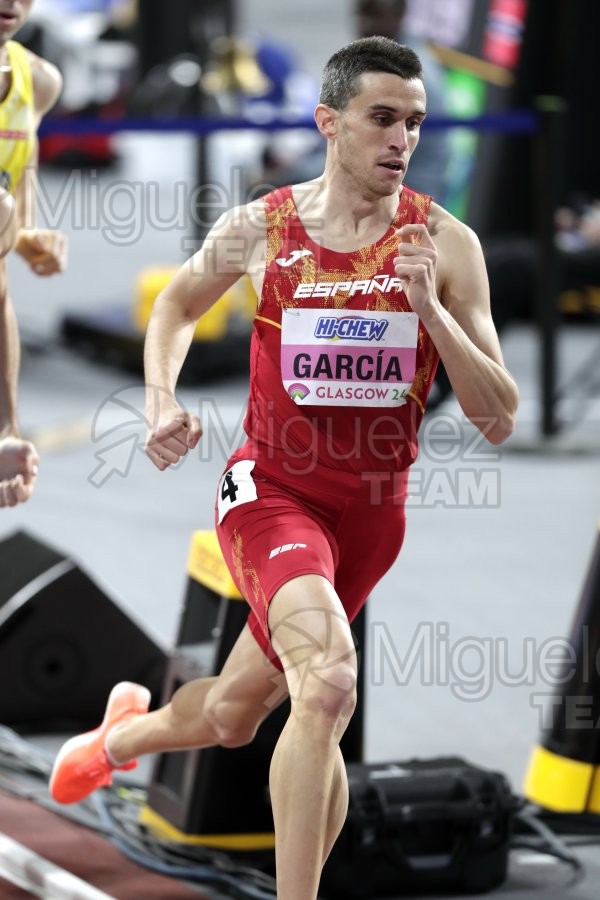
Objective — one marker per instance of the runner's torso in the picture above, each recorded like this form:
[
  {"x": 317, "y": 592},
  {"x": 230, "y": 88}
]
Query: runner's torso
[{"x": 340, "y": 365}]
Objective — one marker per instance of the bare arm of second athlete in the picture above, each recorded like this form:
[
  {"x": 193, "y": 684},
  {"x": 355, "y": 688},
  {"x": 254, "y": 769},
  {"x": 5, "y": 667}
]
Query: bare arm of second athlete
[
  {"x": 459, "y": 320},
  {"x": 18, "y": 457},
  {"x": 8, "y": 222},
  {"x": 43, "y": 249},
  {"x": 200, "y": 282}
]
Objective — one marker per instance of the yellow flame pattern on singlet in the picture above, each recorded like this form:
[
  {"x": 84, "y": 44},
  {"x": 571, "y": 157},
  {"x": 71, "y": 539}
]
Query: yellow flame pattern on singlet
[{"x": 284, "y": 224}]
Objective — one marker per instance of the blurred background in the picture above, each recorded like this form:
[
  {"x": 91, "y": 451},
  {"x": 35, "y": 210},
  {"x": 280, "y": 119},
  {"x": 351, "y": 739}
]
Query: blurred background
[
  {"x": 142, "y": 196},
  {"x": 136, "y": 162}
]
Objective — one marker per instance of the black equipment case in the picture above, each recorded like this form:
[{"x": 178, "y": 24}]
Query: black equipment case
[{"x": 421, "y": 826}]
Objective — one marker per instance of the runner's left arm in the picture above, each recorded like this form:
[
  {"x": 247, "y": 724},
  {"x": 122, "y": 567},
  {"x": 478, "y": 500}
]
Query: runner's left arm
[{"x": 460, "y": 322}]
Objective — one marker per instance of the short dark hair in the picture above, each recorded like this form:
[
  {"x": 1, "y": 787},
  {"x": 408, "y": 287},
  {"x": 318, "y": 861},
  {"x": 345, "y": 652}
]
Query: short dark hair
[{"x": 373, "y": 54}]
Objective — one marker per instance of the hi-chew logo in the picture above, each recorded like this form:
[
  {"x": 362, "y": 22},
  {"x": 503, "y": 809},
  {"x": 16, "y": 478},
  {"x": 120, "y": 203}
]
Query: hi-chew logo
[{"x": 356, "y": 328}]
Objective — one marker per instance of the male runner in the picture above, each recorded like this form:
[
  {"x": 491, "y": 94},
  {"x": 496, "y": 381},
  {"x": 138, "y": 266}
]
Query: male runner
[
  {"x": 29, "y": 87},
  {"x": 362, "y": 285}
]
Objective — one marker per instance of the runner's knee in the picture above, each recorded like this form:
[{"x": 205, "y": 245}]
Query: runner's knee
[{"x": 327, "y": 696}]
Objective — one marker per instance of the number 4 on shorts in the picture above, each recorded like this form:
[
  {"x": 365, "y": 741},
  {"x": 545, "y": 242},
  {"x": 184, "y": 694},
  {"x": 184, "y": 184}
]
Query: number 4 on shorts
[
  {"x": 236, "y": 487},
  {"x": 229, "y": 488}
]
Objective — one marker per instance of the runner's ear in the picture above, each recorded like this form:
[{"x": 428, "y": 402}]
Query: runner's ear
[{"x": 327, "y": 121}]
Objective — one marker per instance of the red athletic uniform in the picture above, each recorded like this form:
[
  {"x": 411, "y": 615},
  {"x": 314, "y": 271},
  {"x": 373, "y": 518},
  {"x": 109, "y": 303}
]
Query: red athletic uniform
[{"x": 340, "y": 369}]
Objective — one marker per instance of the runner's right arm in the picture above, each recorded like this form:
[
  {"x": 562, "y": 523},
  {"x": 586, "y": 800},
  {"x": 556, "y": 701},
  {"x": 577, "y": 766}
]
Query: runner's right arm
[{"x": 197, "y": 286}]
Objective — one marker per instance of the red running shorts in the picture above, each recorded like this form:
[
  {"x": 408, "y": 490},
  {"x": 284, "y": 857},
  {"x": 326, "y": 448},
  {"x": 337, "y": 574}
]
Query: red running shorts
[{"x": 270, "y": 532}]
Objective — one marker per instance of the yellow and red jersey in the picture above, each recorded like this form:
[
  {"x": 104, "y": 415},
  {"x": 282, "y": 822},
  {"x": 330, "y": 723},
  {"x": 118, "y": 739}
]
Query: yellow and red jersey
[{"x": 17, "y": 119}]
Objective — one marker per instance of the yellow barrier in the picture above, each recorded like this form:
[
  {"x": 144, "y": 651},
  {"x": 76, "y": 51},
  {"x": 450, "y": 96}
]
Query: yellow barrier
[
  {"x": 557, "y": 782},
  {"x": 239, "y": 300}
]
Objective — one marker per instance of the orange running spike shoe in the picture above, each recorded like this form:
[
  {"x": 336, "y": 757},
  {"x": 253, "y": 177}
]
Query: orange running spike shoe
[{"x": 82, "y": 764}]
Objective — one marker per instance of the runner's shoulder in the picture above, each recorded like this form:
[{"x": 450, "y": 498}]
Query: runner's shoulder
[
  {"x": 243, "y": 221},
  {"x": 449, "y": 232},
  {"x": 47, "y": 83}
]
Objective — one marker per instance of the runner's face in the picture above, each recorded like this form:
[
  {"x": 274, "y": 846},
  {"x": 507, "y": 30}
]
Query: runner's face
[
  {"x": 13, "y": 15},
  {"x": 379, "y": 129}
]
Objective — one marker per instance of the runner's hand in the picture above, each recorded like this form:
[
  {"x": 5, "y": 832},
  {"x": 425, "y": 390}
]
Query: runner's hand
[
  {"x": 416, "y": 265},
  {"x": 44, "y": 250},
  {"x": 176, "y": 433},
  {"x": 18, "y": 470}
]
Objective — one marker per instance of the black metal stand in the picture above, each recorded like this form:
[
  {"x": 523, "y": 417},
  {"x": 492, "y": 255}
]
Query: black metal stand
[{"x": 548, "y": 159}]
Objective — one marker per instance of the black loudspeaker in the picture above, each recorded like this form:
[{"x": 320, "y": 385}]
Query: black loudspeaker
[
  {"x": 63, "y": 643},
  {"x": 220, "y": 796}
]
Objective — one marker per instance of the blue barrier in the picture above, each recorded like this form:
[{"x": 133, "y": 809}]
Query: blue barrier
[
  {"x": 546, "y": 126},
  {"x": 516, "y": 121}
]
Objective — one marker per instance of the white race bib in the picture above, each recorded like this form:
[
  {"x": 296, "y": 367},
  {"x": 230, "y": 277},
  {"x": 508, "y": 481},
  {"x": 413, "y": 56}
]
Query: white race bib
[{"x": 342, "y": 357}]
